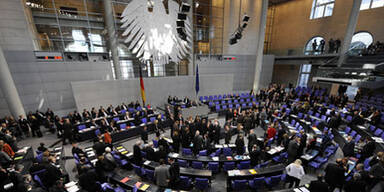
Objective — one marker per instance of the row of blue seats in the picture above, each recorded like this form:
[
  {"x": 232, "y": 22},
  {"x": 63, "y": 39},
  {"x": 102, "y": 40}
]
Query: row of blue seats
[
  {"x": 185, "y": 182},
  {"x": 124, "y": 125},
  {"x": 258, "y": 182},
  {"x": 224, "y": 96},
  {"x": 219, "y": 108},
  {"x": 320, "y": 161},
  {"x": 235, "y": 101}
]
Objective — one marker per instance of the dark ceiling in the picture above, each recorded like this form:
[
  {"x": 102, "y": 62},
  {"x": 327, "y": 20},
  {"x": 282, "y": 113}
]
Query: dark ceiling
[{"x": 278, "y": 1}]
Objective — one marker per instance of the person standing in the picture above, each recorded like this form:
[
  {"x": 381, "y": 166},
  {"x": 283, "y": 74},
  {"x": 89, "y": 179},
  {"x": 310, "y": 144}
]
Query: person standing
[
  {"x": 331, "y": 46},
  {"x": 252, "y": 140},
  {"x": 318, "y": 185},
  {"x": 228, "y": 134},
  {"x": 162, "y": 175},
  {"x": 337, "y": 45},
  {"x": 322, "y": 46},
  {"x": 174, "y": 172},
  {"x": 334, "y": 175},
  {"x": 314, "y": 46},
  {"x": 67, "y": 131},
  {"x": 197, "y": 142},
  {"x": 144, "y": 134},
  {"x": 293, "y": 147},
  {"x": 349, "y": 147},
  {"x": 240, "y": 145},
  {"x": 295, "y": 173}
]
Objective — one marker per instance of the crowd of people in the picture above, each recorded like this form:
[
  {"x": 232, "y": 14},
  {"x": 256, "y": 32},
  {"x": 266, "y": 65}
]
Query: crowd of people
[
  {"x": 203, "y": 133},
  {"x": 319, "y": 47},
  {"x": 374, "y": 48}
]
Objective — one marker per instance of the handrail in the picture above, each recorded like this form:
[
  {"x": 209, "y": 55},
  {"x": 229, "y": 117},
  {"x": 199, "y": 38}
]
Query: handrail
[{"x": 337, "y": 57}]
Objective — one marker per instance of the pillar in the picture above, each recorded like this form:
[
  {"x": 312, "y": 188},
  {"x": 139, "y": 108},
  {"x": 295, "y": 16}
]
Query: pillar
[
  {"x": 112, "y": 40},
  {"x": 191, "y": 59},
  {"x": 351, "y": 26},
  {"x": 260, "y": 45},
  {"x": 9, "y": 90}
]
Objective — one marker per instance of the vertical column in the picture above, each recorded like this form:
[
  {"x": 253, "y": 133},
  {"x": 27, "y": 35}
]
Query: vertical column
[
  {"x": 112, "y": 42},
  {"x": 191, "y": 61},
  {"x": 353, "y": 16},
  {"x": 8, "y": 88},
  {"x": 260, "y": 45}
]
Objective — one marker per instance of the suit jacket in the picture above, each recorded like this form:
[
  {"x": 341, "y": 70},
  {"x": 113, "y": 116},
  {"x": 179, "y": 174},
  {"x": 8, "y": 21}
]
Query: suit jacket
[
  {"x": 318, "y": 186},
  {"x": 334, "y": 175},
  {"x": 198, "y": 143},
  {"x": 348, "y": 149}
]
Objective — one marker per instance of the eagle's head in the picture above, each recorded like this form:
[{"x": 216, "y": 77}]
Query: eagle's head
[{"x": 150, "y": 31}]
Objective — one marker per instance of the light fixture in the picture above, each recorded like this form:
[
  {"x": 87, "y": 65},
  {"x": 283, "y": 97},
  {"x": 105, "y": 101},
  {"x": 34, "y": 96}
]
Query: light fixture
[
  {"x": 197, "y": 4},
  {"x": 185, "y": 7}
]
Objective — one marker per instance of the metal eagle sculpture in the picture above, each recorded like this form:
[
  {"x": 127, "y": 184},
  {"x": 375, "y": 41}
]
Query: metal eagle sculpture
[{"x": 150, "y": 31}]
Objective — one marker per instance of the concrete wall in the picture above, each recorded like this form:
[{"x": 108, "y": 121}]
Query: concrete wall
[
  {"x": 14, "y": 32},
  {"x": 267, "y": 70},
  {"x": 248, "y": 44},
  {"x": 292, "y": 28},
  {"x": 285, "y": 74},
  {"x": 242, "y": 69},
  {"x": 102, "y": 93},
  {"x": 47, "y": 84}
]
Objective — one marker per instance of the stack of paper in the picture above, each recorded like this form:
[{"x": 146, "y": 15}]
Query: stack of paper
[
  {"x": 252, "y": 171},
  {"x": 144, "y": 187},
  {"x": 215, "y": 158},
  {"x": 146, "y": 162}
]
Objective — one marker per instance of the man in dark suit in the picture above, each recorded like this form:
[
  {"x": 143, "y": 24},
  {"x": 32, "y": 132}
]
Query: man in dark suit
[
  {"x": 252, "y": 139},
  {"x": 67, "y": 131},
  {"x": 99, "y": 147},
  {"x": 216, "y": 131},
  {"x": 228, "y": 134},
  {"x": 52, "y": 174},
  {"x": 150, "y": 152},
  {"x": 349, "y": 147},
  {"x": 144, "y": 134},
  {"x": 303, "y": 143},
  {"x": 137, "y": 158},
  {"x": 292, "y": 150},
  {"x": 197, "y": 142},
  {"x": 174, "y": 171},
  {"x": 254, "y": 154},
  {"x": 318, "y": 185},
  {"x": 334, "y": 175}
]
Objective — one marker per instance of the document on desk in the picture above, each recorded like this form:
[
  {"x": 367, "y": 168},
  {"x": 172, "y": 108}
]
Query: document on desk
[
  {"x": 304, "y": 189},
  {"x": 215, "y": 158},
  {"x": 231, "y": 145},
  {"x": 146, "y": 162},
  {"x": 297, "y": 190},
  {"x": 174, "y": 155},
  {"x": 218, "y": 146}
]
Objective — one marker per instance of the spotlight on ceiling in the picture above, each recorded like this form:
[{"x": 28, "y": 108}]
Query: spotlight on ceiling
[
  {"x": 244, "y": 25},
  {"x": 245, "y": 18},
  {"x": 185, "y": 7},
  {"x": 197, "y": 4},
  {"x": 180, "y": 23},
  {"x": 182, "y": 16}
]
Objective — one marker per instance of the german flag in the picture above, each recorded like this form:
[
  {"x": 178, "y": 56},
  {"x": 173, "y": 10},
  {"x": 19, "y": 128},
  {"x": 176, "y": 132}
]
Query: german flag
[{"x": 142, "y": 90}]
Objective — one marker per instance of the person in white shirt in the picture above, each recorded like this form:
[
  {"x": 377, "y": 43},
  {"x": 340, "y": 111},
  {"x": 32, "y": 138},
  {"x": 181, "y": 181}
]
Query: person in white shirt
[{"x": 295, "y": 173}]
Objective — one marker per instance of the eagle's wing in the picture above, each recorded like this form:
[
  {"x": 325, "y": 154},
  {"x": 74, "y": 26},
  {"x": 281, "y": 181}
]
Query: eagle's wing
[{"x": 138, "y": 23}]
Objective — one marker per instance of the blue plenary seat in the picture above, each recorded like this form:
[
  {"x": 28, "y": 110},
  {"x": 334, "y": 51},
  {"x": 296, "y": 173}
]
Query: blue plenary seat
[
  {"x": 244, "y": 165},
  {"x": 81, "y": 127},
  {"x": 239, "y": 185},
  {"x": 123, "y": 126},
  {"x": 182, "y": 163},
  {"x": 201, "y": 183},
  {"x": 185, "y": 182},
  {"x": 197, "y": 164},
  {"x": 187, "y": 151},
  {"x": 229, "y": 166},
  {"x": 213, "y": 166},
  {"x": 257, "y": 182}
]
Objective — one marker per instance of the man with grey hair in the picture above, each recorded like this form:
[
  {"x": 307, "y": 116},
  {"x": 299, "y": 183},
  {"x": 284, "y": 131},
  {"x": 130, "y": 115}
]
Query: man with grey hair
[{"x": 355, "y": 184}]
